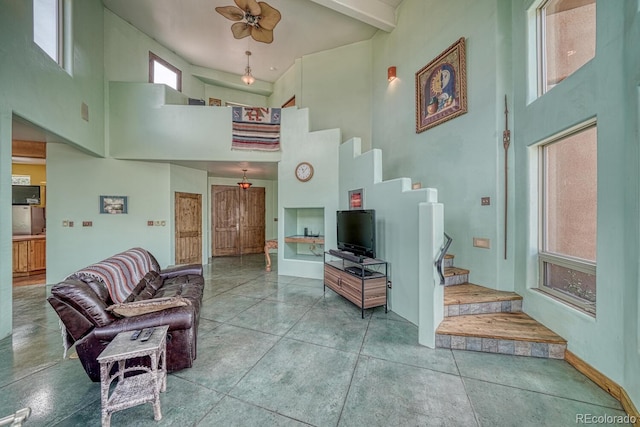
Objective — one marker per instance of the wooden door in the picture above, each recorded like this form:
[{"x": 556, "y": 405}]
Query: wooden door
[
  {"x": 188, "y": 210},
  {"x": 252, "y": 220},
  {"x": 238, "y": 220},
  {"x": 225, "y": 218}
]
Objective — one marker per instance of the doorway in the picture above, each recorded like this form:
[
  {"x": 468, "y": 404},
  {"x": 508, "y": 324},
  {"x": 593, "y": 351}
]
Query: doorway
[
  {"x": 188, "y": 220},
  {"x": 238, "y": 220}
]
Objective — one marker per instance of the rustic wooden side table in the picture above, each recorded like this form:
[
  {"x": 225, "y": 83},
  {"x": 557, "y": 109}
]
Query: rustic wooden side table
[{"x": 136, "y": 384}]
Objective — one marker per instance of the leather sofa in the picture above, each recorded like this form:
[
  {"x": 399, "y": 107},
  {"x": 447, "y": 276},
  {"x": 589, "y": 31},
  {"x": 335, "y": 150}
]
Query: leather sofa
[{"x": 82, "y": 304}]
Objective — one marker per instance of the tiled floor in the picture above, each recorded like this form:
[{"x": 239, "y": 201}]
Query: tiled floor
[{"x": 273, "y": 350}]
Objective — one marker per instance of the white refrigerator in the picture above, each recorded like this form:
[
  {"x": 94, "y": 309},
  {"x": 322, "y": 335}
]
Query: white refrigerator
[{"x": 28, "y": 220}]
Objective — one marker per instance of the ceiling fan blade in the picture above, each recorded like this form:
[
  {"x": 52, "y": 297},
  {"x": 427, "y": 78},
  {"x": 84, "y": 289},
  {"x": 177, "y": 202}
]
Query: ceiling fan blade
[
  {"x": 250, "y": 6},
  {"x": 231, "y": 12},
  {"x": 270, "y": 16},
  {"x": 241, "y": 30},
  {"x": 262, "y": 35}
]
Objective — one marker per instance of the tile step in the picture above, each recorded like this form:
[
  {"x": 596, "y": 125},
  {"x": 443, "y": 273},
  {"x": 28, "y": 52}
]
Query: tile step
[
  {"x": 505, "y": 333},
  {"x": 448, "y": 260},
  {"x": 455, "y": 276},
  {"x": 469, "y": 298}
]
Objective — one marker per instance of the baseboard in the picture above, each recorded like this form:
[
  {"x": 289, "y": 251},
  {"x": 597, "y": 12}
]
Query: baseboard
[{"x": 604, "y": 383}]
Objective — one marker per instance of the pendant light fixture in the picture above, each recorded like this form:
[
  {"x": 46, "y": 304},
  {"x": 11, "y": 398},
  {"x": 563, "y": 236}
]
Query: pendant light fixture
[
  {"x": 244, "y": 184},
  {"x": 247, "y": 78}
]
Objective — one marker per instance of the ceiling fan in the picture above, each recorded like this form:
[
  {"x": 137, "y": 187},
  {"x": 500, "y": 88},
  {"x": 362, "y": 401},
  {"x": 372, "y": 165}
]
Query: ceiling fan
[{"x": 253, "y": 18}]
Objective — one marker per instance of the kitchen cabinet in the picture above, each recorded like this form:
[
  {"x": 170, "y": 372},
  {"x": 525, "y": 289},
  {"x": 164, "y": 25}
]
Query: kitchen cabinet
[{"x": 29, "y": 255}]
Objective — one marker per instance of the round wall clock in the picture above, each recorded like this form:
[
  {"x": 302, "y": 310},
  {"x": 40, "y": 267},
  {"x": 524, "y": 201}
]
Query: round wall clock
[{"x": 304, "y": 171}]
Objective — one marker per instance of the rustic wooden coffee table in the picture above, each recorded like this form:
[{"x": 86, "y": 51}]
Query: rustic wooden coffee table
[{"x": 136, "y": 384}]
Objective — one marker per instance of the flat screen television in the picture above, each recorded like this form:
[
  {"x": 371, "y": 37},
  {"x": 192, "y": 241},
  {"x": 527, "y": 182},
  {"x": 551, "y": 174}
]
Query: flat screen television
[
  {"x": 357, "y": 232},
  {"x": 25, "y": 194}
]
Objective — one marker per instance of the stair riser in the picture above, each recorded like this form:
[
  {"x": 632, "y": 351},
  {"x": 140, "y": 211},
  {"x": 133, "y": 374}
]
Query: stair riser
[
  {"x": 447, "y": 262},
  {"x": 510, "y": 347},
  {"x": 457, "y": 279},
  {"x": 483, "y": 308}
]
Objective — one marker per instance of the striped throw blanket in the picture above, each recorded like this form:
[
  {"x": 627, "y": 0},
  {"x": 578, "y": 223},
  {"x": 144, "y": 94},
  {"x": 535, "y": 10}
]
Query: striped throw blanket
[
  {"x": 256, "y": 128},
  {"x": 121, "y": 273}
]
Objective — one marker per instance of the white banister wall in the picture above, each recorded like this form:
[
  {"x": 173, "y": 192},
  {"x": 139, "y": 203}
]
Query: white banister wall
[{"x": 409, "y": 232}]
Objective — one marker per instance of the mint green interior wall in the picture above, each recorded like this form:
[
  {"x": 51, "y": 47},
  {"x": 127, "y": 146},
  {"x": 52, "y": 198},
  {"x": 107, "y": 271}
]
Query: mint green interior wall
[
  {"x": 187, "y": 180},
  {"x": 409, "y": 232},
  {"x": 143, "y": 125},
  {"x": 336, "y": 88},
  {"x": 319, "y": 148},
  {"x": 286, "y": 86},
  {"x": 599, "y": 89},
  {"x": 461, "y": 158},
  {"x": 126, "y": 56},
  {"x": 75, "y": 181},
  {"x": 37, "y": 89}
]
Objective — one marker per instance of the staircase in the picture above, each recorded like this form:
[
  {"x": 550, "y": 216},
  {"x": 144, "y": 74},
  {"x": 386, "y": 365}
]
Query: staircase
[{"x": 490, "y": 321}]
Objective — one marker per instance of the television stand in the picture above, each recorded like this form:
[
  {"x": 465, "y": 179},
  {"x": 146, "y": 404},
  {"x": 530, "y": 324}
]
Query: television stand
[{"x": 361, "y": 280}]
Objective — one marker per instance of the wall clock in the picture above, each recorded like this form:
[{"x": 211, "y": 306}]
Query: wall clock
[{"x": 304, "y": 171}]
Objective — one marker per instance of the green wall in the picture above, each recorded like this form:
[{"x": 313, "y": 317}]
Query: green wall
[
  {"x": 461, "y": 158},
  {"x": 35, "y": 88},
  {"x": 600, "y": 89}
]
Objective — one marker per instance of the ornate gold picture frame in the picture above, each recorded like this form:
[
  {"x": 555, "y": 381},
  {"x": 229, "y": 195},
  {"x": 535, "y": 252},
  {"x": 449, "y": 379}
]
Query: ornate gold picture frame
[{"x": 441, "y": 88}]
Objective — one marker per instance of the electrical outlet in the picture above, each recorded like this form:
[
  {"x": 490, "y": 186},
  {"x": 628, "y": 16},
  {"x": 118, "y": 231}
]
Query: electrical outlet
[
  {"x": 150, "y": 223},
  {"x": 485, "y": 201},
  {"x": 70, "y": 223},
  {"x": 87, "y": 223}
]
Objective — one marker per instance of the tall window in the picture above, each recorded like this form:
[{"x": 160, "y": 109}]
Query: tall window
[
  {"x": 567, "y": 255},
  {"x": 47, "y": 27},
  {"x": 160, "y": 71},
  {"x": 567, "y": 39}
]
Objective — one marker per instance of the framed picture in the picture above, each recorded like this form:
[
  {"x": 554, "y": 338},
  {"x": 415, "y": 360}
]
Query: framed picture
[
  {"x": 214, "y": 102},
  {"x": 441, "y": 88},
  {"x": 356, "y": 199},
  {"x": 113, "y": 204}
]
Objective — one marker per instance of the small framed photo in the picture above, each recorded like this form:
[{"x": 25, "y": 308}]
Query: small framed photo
[
  {"x": 356, "y": 199},
  {"x": 214, "y": 102},
  {"x": 113, "y": 204}
]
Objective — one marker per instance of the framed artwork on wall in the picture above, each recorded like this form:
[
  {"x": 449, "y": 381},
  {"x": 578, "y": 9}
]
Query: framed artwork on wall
[
  {"x": 113, "y": 204},
  {"x": 356, "y": 199},
  {"x": 214, "y": 102},
  {"x": 441, "y": 88}
]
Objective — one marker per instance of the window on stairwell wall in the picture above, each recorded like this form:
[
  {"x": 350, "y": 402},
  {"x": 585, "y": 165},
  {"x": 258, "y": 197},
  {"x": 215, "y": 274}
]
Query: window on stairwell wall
[
  {"x": 568, "y": 213},
  {"x": 566, "y": 31},
  {"x": 50, "y": 18},
  {"x": 161, "y": 71}
]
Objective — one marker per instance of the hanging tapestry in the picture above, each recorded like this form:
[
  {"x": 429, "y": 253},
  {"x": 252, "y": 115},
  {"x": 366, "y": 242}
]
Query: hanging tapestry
[{"x": 256, "y": 128}]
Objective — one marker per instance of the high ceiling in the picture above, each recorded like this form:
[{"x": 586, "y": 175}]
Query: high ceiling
[
  {"x": 200, "y": 35},
  {"x": 197, "y": 33}
]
